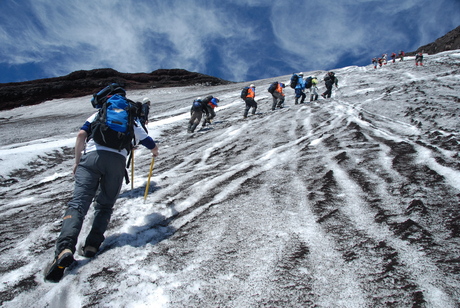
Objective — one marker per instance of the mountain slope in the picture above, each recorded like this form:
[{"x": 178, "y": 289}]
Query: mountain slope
[{"x": 347, "y": 202}]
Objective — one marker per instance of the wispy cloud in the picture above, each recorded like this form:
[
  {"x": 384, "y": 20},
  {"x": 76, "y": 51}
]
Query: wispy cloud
[
  {"x": 235, "y": 39},
  {"x": 322, "y": 33},
  {"x": 126, "y": 35}
]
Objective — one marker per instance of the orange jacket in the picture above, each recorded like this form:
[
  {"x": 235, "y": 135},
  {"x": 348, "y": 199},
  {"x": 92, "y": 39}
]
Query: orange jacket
[
  {"x": 279, "y": 89},
  {"x": 251, "y": 93}
]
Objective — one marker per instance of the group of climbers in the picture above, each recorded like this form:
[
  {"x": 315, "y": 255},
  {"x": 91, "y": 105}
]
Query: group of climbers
[
  {"x": 205, "y": 107},
  {"x": 298, "y": 83},
  {"x": 383, "y": 59}
]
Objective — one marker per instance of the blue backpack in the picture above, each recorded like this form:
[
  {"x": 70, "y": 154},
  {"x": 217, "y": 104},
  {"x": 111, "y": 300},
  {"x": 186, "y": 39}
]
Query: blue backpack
[
  {"x": 113, "y": 126},
  {"x": 196, "y": 106}
]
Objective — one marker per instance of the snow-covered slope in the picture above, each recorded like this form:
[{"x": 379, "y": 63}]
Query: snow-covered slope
[{"x": 346, "y": 202}]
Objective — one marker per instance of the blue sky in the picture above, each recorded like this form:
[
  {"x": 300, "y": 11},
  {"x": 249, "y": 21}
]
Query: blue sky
[{"x": 238, "y": 40}]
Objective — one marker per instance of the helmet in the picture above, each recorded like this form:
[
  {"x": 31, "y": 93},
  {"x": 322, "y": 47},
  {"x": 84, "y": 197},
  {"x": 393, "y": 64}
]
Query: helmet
[
  {"x": 146, "y": 100},
  {"x": 252, "y": 85},
  {"x": 301, "y": 74}
]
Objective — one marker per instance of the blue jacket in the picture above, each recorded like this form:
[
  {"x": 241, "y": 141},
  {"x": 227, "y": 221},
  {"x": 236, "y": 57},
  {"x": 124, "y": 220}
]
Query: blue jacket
[{"x": 300, "y": 83}]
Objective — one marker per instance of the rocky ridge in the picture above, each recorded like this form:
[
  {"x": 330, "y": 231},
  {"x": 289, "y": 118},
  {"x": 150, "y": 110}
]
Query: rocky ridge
[
  {"x": 450, "y": 41},
  {"x": 83, "y": 82}
]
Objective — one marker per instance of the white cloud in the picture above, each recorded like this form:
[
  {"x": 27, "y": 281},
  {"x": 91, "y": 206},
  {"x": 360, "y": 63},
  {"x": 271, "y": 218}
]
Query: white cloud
[
  {"x": 120, "y": 34},
  {"x": 141, "y": 36},
  {"x": 318, "y": 34},
  {"x": 322, "y": 33},
  {"x": 88, "y": 34}
]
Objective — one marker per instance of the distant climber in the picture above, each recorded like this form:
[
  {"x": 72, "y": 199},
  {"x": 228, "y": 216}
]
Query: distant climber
[
  {"x": 196, "y": 113},
  {"x": 248, "y": 95},
  {"x": 210, "y": 102},
  {"x": 276, "y": 89},
  {"x": 419, "y": 59},
  {"x": 384, "y": 59},
  {"x": 299, "y": 90},
  {"x": 314, "y": 89},
  {"x": 330, "y": 80},
  {"x": 144, "y": 113},
  {"x": 393, "y": 56}
]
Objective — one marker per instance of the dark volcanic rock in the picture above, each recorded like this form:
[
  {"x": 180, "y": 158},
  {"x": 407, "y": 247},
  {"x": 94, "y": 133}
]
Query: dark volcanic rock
[
  {"x": 450, "y": 41},
  {"x": 80, "y": 83}
]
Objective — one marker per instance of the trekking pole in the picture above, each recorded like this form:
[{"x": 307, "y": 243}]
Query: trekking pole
[
  {"x": 132, "y": 169},
  {"x": 148, "y": 181}
]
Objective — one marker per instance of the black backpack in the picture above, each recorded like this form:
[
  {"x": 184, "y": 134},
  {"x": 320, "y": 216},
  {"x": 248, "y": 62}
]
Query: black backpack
[
  {"x": 100, "y": 97},
  {"x": 294, "y": 80},
  {"x": 113, "y": 126},
  {"x": 143, "y": 110},
  {"x": 244, "y": 92},
  {"x": 308, "y": 83},
  {"x": 207, "y": 99},
  {"x": 272, "y": 87}
]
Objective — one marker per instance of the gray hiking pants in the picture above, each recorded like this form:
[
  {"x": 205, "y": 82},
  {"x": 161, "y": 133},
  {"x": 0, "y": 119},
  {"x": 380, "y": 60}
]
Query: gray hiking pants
[
  {"x": 100, "y": 172},
  {"x": 195, "y": 119},
  {"x": 278, "y": 100}
]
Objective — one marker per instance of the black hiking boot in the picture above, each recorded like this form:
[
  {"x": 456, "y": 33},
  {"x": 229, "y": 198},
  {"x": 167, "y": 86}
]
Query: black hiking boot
[
  {"x": 193, "y": 128},
  {"x": 55, "y": 270},
  {"x": 89, "y": 251}
]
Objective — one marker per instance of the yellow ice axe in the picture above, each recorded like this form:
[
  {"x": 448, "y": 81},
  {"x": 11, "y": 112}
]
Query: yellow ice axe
[
  {"x": 148, "y": 181},
  {"x": 132, "y": 169}
]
